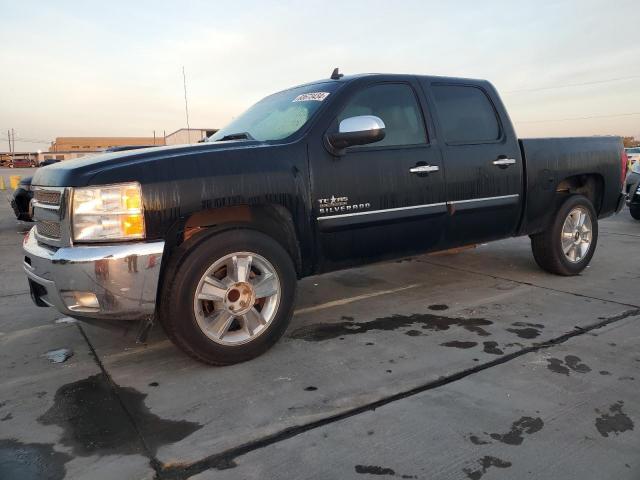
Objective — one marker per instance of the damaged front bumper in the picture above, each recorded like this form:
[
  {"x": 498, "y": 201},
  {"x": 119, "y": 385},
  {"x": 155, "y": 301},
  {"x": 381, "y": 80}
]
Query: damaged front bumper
[{"x": 110, "y": 282}]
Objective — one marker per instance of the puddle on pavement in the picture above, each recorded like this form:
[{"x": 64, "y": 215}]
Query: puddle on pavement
[
  {"x": 570, "y": 363},
  {"x": 377, "y": 470},
  {"x": 459, "y": 344},
  {"x": 524, "y": 425},
  {"x": 325, "y": 331},
  {"x": 492, "y": 348},
  {"x": 527, "y": 330},
  {"x": 485, "y": 462},
  {"x": 438, "y": 307},
  {"x": 31, "y": 461},
  {"x": 60, "y": 355},
  {"x": 93, "y": 420},
  {"x": 614, "y": 422}
]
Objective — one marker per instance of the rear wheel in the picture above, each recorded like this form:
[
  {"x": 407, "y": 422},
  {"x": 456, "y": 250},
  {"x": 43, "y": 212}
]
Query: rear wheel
[
  {"x": 567, "y": 246},
  {"x": 635, "y": 211},
  {"x": 230, "y": 298}
]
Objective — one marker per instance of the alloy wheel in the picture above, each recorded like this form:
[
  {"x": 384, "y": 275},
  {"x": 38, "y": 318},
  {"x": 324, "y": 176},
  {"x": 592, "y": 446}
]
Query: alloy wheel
[{"x": 237, "y": 298}]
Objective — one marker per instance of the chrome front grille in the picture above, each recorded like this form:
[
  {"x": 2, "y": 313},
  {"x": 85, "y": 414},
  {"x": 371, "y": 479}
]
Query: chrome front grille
[
  {"x": 51, "y": 214},
  {"x": 47, "y": 197},
  {"x": 48, "y": 229}
]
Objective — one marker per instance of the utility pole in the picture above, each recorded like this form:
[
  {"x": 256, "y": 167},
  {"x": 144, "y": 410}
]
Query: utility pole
[
  {"x": 154, "y": 137},
  {"x": 9, "y": 139},
  {"x": 186, "y": 106},
  {"x": 13, "y": 140}
]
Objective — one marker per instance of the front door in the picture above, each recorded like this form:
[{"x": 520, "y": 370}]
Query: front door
[{"x": 383, "y": 199}]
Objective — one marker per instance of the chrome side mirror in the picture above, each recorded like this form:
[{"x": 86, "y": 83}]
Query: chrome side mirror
[{"x": 360, "y": 130}]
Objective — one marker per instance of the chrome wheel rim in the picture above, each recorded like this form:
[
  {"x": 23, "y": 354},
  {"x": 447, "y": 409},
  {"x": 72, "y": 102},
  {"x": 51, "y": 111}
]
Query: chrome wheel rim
[
  {"x": 237, "y": 298},
  {"x": 577, "y": 234}
]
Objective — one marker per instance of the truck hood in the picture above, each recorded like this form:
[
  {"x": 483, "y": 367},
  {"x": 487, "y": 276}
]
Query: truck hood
[{"x": 80, "y": 171}]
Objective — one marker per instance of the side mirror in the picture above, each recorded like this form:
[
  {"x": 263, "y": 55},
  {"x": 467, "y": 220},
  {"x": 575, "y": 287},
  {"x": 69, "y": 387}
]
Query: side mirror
[{"x": 359, "y": 130}]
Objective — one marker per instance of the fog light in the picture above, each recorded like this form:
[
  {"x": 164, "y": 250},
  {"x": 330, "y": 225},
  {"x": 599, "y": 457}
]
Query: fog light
[{"x": 81, "y": 301}]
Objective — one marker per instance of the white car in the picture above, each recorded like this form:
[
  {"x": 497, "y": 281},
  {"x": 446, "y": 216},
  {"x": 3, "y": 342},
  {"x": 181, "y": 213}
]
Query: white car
[{"x": 633, "y": 154}]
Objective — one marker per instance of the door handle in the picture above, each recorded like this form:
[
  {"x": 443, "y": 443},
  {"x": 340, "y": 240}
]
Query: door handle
[
  {"x": 424, "y": 169},
  {"x": 504, "y": 162}
]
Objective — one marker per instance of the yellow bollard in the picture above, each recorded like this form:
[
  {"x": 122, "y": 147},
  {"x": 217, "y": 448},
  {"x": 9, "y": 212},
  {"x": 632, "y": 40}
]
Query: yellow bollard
[
  {"x": 14, "y": 180},
  {"x": 2, "y": 185}
]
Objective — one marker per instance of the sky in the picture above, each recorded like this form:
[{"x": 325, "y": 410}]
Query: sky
[{"x": 96, "y": 68}]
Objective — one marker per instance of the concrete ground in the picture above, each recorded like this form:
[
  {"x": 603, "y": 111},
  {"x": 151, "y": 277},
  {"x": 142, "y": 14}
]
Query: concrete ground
[{"x": 469, "y": 365}]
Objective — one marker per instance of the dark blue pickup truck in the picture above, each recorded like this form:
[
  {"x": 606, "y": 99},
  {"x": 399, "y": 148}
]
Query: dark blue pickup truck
[{"x": 211, "y": 238}]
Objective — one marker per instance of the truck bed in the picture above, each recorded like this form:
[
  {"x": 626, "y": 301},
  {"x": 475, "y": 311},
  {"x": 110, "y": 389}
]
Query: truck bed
[{"x": 550, "y": 161}]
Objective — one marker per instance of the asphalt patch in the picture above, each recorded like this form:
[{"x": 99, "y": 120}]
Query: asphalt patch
[
  {"x": 614, "y": 422},
  {"x": 318, "y": 332},
  {"x": 93, "y": 419},
  {"x": 486, "y": 462},
  {"x": 31, "y": 461}
]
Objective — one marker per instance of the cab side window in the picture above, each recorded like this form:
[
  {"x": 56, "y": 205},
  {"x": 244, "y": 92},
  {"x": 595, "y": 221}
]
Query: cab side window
[
  {"x": 397, "y": 106},
  {"x": 466, "y": 114}
]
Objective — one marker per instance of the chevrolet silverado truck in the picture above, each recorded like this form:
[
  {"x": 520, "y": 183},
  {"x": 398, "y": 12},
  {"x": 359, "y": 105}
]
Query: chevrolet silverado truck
[{"x": 210, "y": 239}]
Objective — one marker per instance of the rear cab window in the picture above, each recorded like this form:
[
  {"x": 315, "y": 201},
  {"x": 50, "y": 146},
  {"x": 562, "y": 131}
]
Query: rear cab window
[{"x": 466, "y": 114}]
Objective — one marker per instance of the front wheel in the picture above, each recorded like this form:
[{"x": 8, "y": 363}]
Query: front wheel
[
  {"x": 634, "y": 210},
  {"x": 567, "y": 246},
  {"x": 230, "y": 297}
]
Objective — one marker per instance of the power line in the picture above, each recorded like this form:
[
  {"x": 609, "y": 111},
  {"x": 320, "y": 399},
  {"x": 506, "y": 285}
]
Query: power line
[
  {"x": 32, "y": 140},
  {"x": 570, "y": 85},
  {"x": 578, "y": 118}
]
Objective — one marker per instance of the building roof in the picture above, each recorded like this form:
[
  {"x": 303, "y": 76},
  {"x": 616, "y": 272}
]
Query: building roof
[{"x": 193, "y": 130}]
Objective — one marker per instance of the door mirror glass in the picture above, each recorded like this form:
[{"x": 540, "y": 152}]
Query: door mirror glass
[{"x": 359, "y": 130}]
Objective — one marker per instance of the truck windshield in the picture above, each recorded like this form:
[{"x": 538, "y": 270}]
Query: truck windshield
[{"x": 279, "y": 115}]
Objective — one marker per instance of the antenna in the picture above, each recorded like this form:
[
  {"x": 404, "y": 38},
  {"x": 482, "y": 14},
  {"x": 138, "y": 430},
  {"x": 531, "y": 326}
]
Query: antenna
[
  {"x": 336, "y": 75},
  {"x": 186, "y": 105}
]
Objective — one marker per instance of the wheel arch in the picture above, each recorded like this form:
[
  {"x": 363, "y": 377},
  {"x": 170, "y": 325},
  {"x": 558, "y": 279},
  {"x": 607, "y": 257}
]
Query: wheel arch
[
  {"x": 591, "y": 185},
  {"x": 271, "y": 219}
]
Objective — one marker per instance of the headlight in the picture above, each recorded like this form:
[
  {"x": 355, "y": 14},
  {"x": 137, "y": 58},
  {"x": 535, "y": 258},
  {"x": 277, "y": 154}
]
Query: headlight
[{"x": 110, "y": 212}]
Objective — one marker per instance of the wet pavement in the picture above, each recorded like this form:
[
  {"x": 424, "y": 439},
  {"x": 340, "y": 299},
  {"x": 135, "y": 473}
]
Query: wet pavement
[{"x": 468, "y": 365}]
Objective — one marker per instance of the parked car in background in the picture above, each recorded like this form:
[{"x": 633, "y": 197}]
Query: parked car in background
[
  {"x": 21, "y": 197},
  {"x": 20, "y": 200},
  {"x": 211, "y": 238},
  {"x": 633, "y": 154},
  {"x": 22, "y": 163},
  {"x": 632, "y": 189}
]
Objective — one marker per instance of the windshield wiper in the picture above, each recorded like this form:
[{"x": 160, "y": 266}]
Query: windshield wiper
[{"x": 236, "y": 136}]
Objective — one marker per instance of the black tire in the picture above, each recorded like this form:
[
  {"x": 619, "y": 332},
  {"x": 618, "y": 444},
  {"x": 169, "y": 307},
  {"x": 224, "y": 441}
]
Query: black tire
[
  {"x": 184, "y": 271},
  {"x": 547, "y": 245},
  {"x": 634, "y": 210}
]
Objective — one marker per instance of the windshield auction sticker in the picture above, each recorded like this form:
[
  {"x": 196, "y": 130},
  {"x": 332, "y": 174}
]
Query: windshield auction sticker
[{"x": 313, "y": 96}]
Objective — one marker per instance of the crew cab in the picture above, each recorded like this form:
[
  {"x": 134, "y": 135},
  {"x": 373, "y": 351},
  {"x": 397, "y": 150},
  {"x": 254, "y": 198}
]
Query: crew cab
[{"x": 211, "y": 238}]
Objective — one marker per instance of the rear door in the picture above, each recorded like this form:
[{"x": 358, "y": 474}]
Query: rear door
[
  {"x": 386, "y": 198},
  {"x": 482, "y": 161}
]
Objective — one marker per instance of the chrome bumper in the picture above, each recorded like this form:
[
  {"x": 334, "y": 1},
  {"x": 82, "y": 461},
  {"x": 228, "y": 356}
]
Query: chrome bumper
[{"x": 121, "y": 279}]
